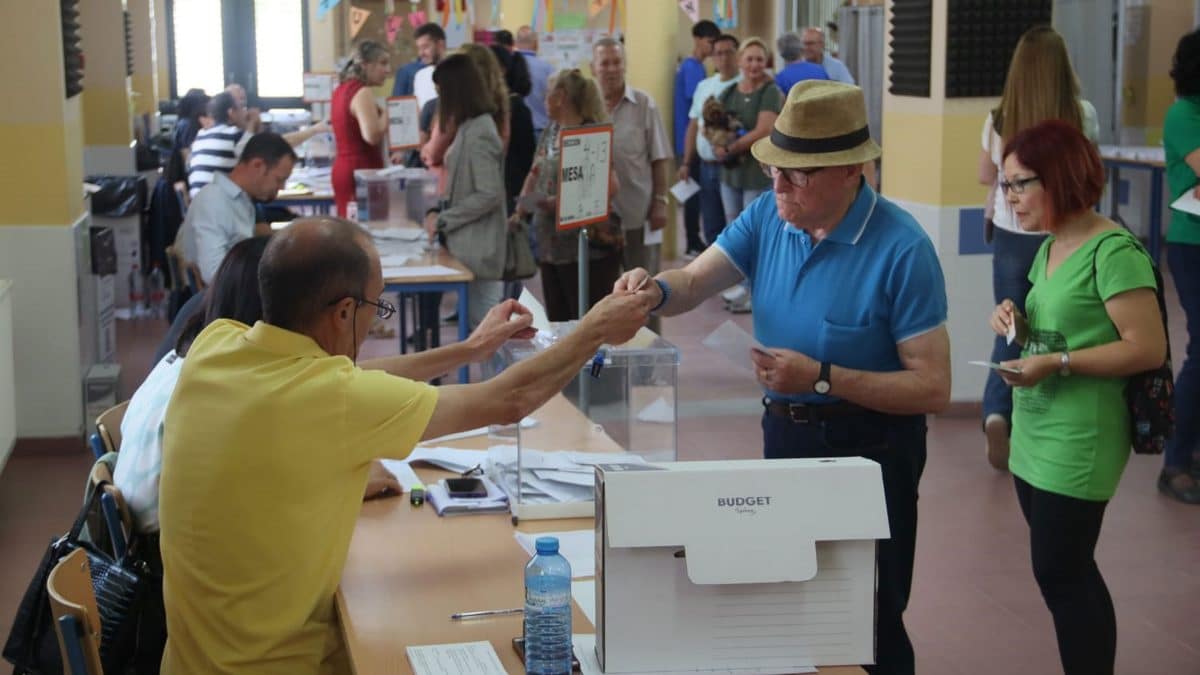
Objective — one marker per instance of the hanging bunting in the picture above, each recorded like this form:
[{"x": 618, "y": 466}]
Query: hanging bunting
[
  {"x": 691, "y": 8},
  {"x": 358, "y": 17},
  {"x": 725, "y": 14},
  {"x": 612, "y": 17},
  {"x": 595, "y": 7},
  {"x": 417, "y": 18},
  {"x": 393, "y": 28},
  {"x": 535, "y": 22},
  {"x": 549, "y": 16}
]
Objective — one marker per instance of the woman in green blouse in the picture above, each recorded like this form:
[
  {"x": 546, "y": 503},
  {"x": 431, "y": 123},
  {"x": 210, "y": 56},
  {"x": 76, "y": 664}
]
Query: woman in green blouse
[{"x": 1092, "y": 321}]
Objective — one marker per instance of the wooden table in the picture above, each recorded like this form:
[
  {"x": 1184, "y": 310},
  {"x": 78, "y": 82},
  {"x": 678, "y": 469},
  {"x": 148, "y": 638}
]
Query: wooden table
[{"x": 408, "y": 570}]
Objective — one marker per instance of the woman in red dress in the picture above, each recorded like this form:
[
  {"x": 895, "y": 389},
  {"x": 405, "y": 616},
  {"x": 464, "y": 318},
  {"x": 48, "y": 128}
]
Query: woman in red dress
[{"x": 359, "y": 124}]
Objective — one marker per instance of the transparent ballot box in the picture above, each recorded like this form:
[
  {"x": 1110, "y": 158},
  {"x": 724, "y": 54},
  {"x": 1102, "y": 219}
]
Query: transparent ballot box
[
  {"x": 396, "y": 196},
  {"x": 622, "y": 412}
]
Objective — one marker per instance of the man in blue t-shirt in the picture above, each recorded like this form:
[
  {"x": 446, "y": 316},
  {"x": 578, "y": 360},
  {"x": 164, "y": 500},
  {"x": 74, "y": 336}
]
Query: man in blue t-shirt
[
  {"x": 691, "y": 72},
  {"x": 791, "y": 52},
  {"x": 850, "y": 302}
]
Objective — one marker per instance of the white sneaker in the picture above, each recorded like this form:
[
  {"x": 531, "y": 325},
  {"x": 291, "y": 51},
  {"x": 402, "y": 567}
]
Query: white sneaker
[
  {"x": 741, "y": 306},
  {"x": 735, "y": 294}
]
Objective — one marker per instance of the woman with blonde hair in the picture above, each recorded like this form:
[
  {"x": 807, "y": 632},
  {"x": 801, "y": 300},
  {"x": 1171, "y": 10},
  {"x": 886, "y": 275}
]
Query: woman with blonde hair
[
  {"x": 572, "y": 100},
  {"x": 359, "y": 124},
  {"x": 1040, "y": 86}
]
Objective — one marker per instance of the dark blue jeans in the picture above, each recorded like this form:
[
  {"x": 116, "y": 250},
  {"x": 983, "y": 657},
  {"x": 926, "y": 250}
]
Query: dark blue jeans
[
  {"x": 691, "y": 212},
  {"x": 1184, "y": 260},
  {"x": 897, "y": 443},
  {"x": 712, "y": 212},
  {"x": 1012, "y": 256}
]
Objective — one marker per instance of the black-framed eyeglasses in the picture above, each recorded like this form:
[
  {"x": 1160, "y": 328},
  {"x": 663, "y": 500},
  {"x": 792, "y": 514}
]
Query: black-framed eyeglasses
[
  {"x": 1017, "y": 186},
  {"x": 383, "y": 308},
  {"x": 797, "y": 177}
]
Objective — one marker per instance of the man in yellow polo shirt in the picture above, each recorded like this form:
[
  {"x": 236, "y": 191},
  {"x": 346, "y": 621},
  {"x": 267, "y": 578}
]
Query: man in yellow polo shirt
[{"x": 268, "y": 438}]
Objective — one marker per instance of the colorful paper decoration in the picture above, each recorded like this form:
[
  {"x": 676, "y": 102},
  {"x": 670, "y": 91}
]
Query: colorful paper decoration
[
  {"x": 595, "y": 7},
  {"x": 416, "y": 19},
  {"x": 358, "y": 18},
  {"x": 691, "y": 8},
  {"x": 393, "y": 28}
]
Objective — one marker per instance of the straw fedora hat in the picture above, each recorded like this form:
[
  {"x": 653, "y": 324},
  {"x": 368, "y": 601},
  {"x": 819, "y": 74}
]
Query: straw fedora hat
[{"x": 823, "y": 123}]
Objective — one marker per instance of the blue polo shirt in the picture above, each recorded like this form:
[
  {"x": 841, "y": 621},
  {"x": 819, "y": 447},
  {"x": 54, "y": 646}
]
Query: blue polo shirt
[
  {"x": 691, "y": 72},
  {"x": 798, "y": 71},
  {"x": 874, "y": 282}
]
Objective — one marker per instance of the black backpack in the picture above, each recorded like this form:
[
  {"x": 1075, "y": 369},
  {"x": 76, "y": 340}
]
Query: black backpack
[{"x": 1150, "y": 395}]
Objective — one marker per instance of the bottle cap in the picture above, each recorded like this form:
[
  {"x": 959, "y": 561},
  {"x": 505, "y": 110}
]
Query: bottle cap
[{"x": 547, "y": 545}]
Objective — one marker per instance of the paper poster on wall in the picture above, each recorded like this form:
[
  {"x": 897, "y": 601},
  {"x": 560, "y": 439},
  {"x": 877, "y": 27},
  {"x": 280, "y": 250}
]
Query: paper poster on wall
[
  {"x": 404, "y": 128},
  {"x": 457, "y": 33},
  {"x": 318, "y": 87},
  {"x": 584, "y": 164},
  {"x": 393, "y": 28},
  {"x": 570, "y": 21},
  {"x": 568, "y": 48}
]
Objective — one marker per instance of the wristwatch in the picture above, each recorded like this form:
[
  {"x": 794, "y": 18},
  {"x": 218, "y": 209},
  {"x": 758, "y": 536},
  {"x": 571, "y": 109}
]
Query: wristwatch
[
  {"x": 822, "y": 385},
  {"x": 1064, "y": 364},
  {"x": 662, "y": 198}
]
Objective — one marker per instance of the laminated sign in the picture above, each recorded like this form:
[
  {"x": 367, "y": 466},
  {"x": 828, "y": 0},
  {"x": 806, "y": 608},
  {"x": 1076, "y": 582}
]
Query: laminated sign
[
  {"x": 404, "y": 129},
  {"x": 584, "y": 165}
]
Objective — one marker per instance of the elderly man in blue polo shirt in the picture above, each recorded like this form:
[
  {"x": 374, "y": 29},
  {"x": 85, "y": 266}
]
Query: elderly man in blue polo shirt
[{"x": 850, "y": 300}]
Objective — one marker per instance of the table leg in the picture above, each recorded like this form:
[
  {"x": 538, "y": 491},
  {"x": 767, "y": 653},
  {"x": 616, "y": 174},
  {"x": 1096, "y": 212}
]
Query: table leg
[
  {"x": 1156, "y": 199},
  {"x": 402, "y": 298},
  {"x": 464, "y": 328}
]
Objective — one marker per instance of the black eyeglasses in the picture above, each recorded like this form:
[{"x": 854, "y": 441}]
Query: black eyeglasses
[
  {"x": 1017, "y": 186},
  {"x": 797, "y": 177},
  {"x": 383, "y": 308}
]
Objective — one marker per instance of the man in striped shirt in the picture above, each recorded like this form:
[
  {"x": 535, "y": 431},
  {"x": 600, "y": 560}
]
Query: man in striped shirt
[{"x": 217, "y": 148}]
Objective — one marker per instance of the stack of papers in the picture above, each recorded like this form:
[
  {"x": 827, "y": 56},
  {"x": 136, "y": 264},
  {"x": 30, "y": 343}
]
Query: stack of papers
[
  {"x": 465, "y": 658},
  {"x": 445, "y": 505},
  {"x": 550, "y": 477}
]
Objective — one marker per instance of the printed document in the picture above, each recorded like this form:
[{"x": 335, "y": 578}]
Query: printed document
[{"x": 464, "y": 658}]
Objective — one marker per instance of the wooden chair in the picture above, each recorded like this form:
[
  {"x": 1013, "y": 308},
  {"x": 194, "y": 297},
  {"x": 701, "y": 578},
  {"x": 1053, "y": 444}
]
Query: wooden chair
[
  {"x": 118, "y": 521},
  {"x": 76, "y": 617},
  {"x": 108, "y": 426}
]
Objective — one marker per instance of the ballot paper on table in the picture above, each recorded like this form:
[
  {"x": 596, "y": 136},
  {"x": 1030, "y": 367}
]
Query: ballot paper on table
[
  {"x": 527, "y": 423},
  {"x": 558, "y": 477},
  {"x": 684, "y": 189},
  {"x": 400, "y": 234},
  {"x": 396, "y": 272},
  {"x": 450, "y": 459},
  {"x": 464, "y": 658},
  {"x": 1187, "y": 203},
  {"x": 577, "y": 546},
  {"x": 404, "y": 474},
  {"x": 734, "y": 343},
  {"x": 445, "y": 505},
  {"x": 584, "y": 646}
]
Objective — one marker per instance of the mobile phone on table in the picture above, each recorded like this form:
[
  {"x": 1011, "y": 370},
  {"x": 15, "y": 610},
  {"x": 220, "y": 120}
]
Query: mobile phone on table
[
  {"x": 466, "y": 488},
  {"x": 519, "y": 647}
]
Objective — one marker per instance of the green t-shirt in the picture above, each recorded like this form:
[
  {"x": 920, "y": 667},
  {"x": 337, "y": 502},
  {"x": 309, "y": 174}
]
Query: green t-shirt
[
  {"x": 1181, "y": 137},
  {"x": 746, "y": 173},
  {"x": 1071, "y": 435}
]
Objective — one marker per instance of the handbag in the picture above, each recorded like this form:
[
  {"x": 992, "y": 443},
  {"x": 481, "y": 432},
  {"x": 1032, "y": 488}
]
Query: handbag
[
  {"x": 32, "y": 645},
  {"x": 518, "y": 255},
  {"x": 1150, "y": 394}
]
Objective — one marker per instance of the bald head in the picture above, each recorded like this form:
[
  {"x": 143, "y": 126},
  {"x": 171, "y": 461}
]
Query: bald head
[
  {"x": 526, "y": 38},
  {"x": 814, "y": 45},
  {"x": 310, "y": 265}
]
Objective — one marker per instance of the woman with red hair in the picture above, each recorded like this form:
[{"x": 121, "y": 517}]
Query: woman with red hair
[{"x": 1092, "y": 320}]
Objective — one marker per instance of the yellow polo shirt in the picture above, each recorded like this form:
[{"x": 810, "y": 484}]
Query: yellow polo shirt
[{"x": 266, "y": 445}]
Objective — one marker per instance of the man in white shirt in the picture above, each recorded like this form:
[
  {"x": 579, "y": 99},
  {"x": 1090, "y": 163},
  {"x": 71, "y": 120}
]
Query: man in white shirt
[
  {"x": 814, "y": 52},
  {"x": 222, "y": 213},
  {"x": 431, "y": 46},
  {"x": 712, "y": 213}
]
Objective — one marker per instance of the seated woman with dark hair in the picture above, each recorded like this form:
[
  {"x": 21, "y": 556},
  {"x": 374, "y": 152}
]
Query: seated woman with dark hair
[{"x": 1092, "y": 321}]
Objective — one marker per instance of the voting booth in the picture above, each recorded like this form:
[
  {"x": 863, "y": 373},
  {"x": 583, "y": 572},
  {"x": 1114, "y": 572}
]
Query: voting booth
[
  {"x": 622, "y": 410},
  {"x": 741, "y": 564}
]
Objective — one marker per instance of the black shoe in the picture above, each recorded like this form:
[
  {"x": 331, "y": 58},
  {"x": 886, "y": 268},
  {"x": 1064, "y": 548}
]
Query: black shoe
[
  {"x": 1189, "y": 495},
  {"x": 450, "y": 318}
]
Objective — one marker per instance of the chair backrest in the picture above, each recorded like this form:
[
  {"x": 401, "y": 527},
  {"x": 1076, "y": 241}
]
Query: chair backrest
[
  {"x": 114, "y": 518},
  {"x": 187, "y": 271},
  {"x": 108, "y": 425},
  {"x": 76, "y": 617}
]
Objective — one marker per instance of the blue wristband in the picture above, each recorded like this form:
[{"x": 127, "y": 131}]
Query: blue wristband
[{"x": 666, "y": 295}]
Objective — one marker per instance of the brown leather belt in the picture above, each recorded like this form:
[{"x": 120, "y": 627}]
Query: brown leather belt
[{"x": 801, "y": 413}]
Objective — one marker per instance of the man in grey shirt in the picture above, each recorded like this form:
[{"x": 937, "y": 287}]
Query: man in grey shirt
[
  {"x": 641, "y": 156},
  {"x": 222, "y": 212}
]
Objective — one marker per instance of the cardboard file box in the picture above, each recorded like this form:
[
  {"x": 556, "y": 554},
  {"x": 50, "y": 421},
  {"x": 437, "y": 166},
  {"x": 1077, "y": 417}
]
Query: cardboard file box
[{"x": 739, "y": 564}]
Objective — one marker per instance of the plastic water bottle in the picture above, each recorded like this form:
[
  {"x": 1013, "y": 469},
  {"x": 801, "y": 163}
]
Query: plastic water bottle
[
  {"x": 548, "y": 611},
  {"x": 156, "y": 293},
  {"x": 137, "y": 291}
]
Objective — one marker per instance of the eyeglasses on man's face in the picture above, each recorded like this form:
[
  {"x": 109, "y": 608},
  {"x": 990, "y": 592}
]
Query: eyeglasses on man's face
[
  {"x": 383, "y": 308},
  {"x": 797, "y": 177},
  {"x": 1017, "y": 185}
]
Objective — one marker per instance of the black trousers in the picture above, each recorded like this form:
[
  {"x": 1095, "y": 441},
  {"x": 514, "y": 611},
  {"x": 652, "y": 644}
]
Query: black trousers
[
  {"x": 1062, "y": 541},
  {"x": 691, "y": 211},
  {"x": 897, "y": 443},
  {"x": 560, "y": 285}
]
